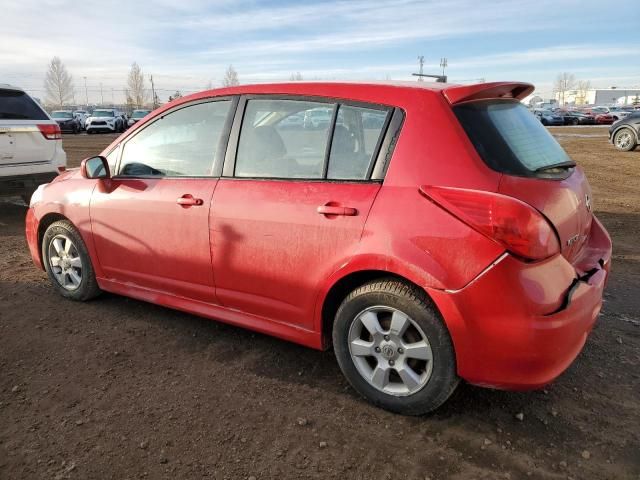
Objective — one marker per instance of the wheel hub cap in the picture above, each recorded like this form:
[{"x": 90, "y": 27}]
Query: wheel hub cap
[
  {"x": 65, "y": 262},
  {"x": 390, "y": 351}
]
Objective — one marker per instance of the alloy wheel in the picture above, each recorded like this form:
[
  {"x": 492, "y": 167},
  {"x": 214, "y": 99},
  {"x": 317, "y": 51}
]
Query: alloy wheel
[
  {"x": 390, "y": 351},
  {"x": 65, "y": 262},
  {"x": 623, "y": 140}
]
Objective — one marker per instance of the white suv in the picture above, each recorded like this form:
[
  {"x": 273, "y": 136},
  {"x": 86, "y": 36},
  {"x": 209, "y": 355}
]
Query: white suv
[
  {"x": 105, "y": 120},
  {"x": 30, "y": 144}
]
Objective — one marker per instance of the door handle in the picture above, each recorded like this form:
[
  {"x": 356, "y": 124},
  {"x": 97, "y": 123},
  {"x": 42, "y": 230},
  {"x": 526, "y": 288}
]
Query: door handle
[
  {"x": 188, "y": 200},
  {"x": 335, "y": 210}
]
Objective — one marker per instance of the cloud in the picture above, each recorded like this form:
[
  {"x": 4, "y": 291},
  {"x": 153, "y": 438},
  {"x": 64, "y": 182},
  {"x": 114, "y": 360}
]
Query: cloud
[{"x": 188, "y": 43}]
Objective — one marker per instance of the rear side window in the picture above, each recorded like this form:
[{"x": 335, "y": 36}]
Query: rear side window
[
  {"x": 355, "y": 140},
  {"x": 16, "y": 105},
  {"x": 297, "y": 139},
  {"x": 508, "y": 138},
  {"x": 180, "y": 143}
]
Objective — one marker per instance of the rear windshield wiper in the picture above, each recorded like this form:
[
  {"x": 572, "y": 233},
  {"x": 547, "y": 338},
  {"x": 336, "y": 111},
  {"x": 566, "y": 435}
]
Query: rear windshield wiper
[{"x": 561, "y": 165}]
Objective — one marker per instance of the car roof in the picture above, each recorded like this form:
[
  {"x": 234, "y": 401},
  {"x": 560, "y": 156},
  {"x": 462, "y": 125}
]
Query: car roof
[
  {"x": 6, "y": 86},
  {"x": 454, "y": 93}
]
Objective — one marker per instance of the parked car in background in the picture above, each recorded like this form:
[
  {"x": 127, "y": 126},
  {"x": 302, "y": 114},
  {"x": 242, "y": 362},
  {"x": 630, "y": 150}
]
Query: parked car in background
[
  {"x": 82, "y": 116},
  {"x": 30, "y": 144},
  {"x": 625, "y": 134},
  {"x": 618, "y": 113},
  {"x": 136, "y": 116},
  {"x": 548, "y": 118},
  {"x": 604, "y": 119},
  {"x": 317, "y": 118},
  {"x": 67, "y": 120},
  {"x": 105, "y": 120},
  {"x": 572, "y": 117},
  {"x": 458, "y": 244}
]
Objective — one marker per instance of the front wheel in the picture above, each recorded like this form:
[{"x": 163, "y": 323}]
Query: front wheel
[
  {"x": 625, "y": 140},
  {"x": 67, "y": 262},
  {"x": 394, "y": 349}
]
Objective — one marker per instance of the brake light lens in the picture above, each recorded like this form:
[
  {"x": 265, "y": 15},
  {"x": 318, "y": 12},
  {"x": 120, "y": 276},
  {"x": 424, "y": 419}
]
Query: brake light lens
[
  {"x": 50, "y": 132},
  {"x": 517, "y": 226}
]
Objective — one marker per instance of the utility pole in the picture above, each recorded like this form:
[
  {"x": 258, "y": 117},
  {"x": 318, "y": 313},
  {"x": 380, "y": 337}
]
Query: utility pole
[
  {"x": 421, "y": 63},
  {"x": 101, "y": 95},
  {"x": 113, "y": 98},
  {"x": 86, "y": 93},
  {"x": 153, "y": 92},
  {"x": 443, "y": 64}
]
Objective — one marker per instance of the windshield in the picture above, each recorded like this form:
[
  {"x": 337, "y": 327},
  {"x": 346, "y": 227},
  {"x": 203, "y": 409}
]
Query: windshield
[
  {"x": 102, "y": 113},
  {"x": 61, "y": 115},
  {"x": 139, "y": 113},
  {"x": 508, "y": 138}
]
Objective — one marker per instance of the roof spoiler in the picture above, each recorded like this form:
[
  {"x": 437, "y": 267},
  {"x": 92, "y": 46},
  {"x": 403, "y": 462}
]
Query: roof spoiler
[{"x": 485, "y": 91}]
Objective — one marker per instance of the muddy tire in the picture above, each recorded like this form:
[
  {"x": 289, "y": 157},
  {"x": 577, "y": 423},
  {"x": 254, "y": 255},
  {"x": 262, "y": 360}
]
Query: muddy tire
[
  {"x": 67, "y": 262},
  {"x": 393, "y": 347}
]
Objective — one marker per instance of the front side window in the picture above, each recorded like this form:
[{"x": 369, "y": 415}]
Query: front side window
[
  {"x": 283, "y": 139},
  {"x": 180, "y": 143},
  {"x": 355, "y": 139}
]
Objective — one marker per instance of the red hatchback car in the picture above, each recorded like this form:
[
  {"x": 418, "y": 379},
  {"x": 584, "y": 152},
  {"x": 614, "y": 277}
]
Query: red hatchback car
[{"x": 428, "y": 232}]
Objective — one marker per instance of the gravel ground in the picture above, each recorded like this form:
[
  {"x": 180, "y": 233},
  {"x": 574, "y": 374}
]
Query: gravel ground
[{"x": 121, "y": 389}]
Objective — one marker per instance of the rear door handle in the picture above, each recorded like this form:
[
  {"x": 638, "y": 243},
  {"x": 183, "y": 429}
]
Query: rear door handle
[
  {"x": 187, "y": 200},
  {"x": 335, "y": 210}
]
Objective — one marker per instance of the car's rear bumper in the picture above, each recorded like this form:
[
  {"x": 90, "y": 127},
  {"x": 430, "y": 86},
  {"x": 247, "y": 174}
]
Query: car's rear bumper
[
  {"x": 519, "y": 325},
  {"x": 18, "y": 184}
]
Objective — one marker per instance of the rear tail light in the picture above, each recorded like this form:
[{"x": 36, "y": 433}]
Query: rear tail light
[
  {"x": 517, "y": 226},
  {"x": 50, "y": 132}
]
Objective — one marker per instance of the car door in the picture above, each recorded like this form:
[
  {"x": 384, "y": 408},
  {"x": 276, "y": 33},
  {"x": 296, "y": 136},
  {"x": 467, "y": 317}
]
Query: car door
[
  {"x": 151, "y": 221},
  {"x": 291, "y": 205}
]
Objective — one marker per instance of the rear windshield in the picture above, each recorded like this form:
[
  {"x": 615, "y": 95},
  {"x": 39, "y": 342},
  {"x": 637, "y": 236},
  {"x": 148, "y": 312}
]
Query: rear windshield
[
  {"x": 16, "y": 105},
  {"x": 508, "y": 137}
]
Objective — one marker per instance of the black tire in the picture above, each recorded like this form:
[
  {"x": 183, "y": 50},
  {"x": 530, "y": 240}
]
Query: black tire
[
  {"x": 88, "y": 287},
  {"x": 415, "y": 304},
  {"x": 574, "y": 121},
  {"x": 544, "y": 122},
  {"x": 627, "y": 146}
]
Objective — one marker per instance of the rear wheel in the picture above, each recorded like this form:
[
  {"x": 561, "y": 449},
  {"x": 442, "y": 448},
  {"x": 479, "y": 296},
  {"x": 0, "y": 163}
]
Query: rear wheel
[
  {"x": 625, "y": 140},
  {"x": 394, "y": 349},
  {"x": 67, "y": 262}
]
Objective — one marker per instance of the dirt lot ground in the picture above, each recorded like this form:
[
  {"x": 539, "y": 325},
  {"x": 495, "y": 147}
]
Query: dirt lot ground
[{"x": 120, "y": 389}]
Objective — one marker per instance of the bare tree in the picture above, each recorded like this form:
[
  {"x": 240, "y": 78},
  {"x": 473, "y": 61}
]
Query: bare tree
[
  {"x": 135, "y": 82},
  {"x": 583, "y": 89},
  {"x": 564, "y": 81},
  {"x": 58, "y": 84},
  {"x": 230, "y": 77},
  {"x": 296, "y": 77}
]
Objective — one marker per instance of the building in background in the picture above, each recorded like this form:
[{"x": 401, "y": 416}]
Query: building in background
[{"x": 601, "y": 96}]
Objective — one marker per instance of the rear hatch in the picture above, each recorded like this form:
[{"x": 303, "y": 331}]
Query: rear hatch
[
  {"x": 535, "y": 168},
  {"x": 21, "y": 139}
]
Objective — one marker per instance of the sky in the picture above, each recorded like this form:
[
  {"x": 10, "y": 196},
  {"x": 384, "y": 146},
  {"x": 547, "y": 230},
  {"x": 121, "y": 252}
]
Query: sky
[{"x": 188, "y": 44}]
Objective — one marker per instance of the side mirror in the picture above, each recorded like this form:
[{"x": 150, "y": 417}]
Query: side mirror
[{"x": 95, "y": 167}]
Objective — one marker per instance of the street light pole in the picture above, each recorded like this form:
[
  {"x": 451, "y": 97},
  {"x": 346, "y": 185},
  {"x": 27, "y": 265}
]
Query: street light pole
[{"x": 86, "y": 94}]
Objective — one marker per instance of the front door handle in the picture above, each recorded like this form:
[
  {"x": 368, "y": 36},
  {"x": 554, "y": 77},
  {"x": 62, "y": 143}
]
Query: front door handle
[
  {"x": 187, "y": 200},
  {"x": 329, "y": 209}
]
